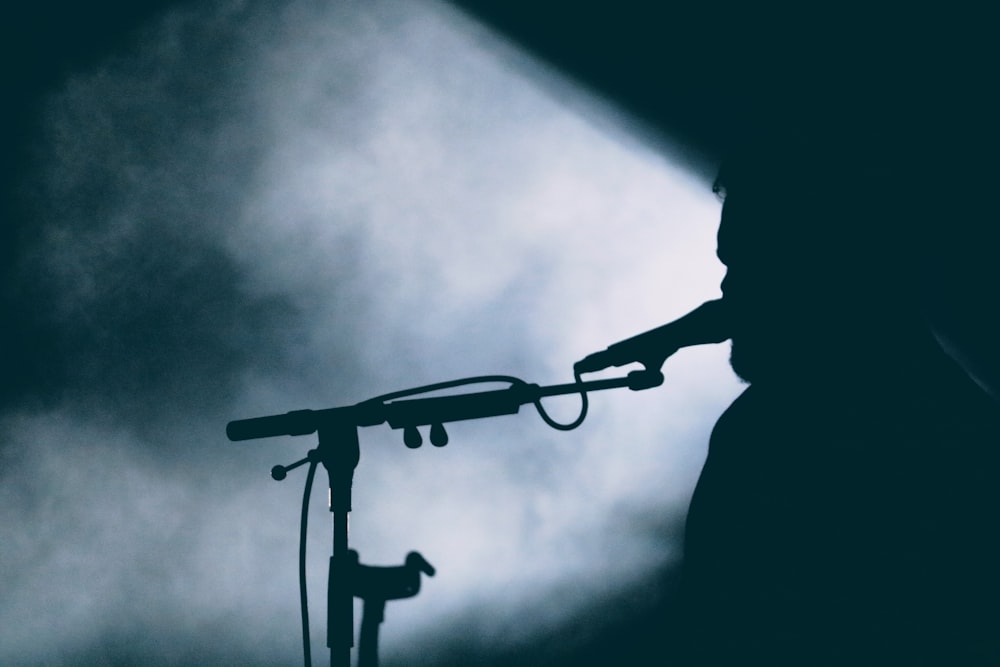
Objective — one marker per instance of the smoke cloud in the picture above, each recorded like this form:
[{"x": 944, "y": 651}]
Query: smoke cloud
[{"x": 262, "y": 207}]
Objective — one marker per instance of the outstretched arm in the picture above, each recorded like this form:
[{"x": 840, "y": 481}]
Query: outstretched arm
[{"x": 708, "y": 323}]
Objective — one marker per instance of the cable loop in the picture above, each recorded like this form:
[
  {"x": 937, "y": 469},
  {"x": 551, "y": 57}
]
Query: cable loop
[{"x": 584, "y": 404}]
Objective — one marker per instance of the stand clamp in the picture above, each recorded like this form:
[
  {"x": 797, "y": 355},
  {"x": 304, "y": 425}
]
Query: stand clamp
[{"x": 375, "y": 586}]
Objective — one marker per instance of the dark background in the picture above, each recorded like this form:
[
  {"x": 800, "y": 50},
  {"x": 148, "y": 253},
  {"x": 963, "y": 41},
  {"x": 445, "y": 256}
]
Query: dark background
[{"x": 703, "y": 74}]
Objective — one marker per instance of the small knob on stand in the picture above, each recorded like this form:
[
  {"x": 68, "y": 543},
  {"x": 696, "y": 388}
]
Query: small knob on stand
[
  {"x": 439, "y": 437},
  {"x": 412, "y": 437},
  {"x": 279, "y": 472}
]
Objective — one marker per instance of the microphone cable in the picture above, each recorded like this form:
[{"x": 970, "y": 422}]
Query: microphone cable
[{"x": 303, "y": 524}]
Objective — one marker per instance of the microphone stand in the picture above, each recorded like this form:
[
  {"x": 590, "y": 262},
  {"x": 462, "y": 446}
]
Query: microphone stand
[{"x": 339, "y": 452}]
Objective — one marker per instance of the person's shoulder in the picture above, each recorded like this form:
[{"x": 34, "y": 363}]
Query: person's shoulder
[{"x": 762, "y": 412}]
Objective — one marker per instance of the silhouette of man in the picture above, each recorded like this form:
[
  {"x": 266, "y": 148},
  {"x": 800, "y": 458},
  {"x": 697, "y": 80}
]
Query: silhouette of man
[{"x": 845, "y": 514}]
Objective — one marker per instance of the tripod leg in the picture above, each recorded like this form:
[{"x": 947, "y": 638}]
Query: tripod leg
[
  {"x": 340, "y": 609},
  {"x": 372, "y": 615}
]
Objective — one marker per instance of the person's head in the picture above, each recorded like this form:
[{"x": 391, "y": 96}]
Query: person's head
[{"x": 819, "y": 256}]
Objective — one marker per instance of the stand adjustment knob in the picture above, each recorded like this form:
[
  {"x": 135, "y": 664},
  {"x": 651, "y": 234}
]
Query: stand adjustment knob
[
  {"x": 439, "y": 437},
  {"x": 412, "y": 437}
]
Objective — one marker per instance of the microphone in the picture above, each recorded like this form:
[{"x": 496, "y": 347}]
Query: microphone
[
  {"x": 639, "y": 348},
  {"x": 708, "y": 323}
]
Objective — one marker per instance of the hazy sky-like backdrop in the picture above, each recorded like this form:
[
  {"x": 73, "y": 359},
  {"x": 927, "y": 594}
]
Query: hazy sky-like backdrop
[{"x": 259, "y": 207}]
